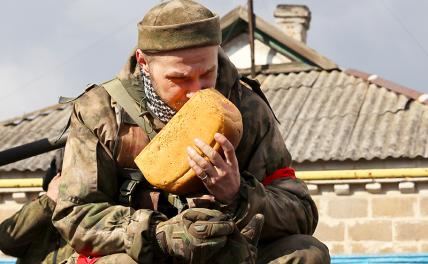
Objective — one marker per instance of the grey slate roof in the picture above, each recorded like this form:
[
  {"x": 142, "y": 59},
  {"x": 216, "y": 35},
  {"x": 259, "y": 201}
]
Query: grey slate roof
[
  {"x": 325, "y": 115},
  {"x": 48, "y": 122},
  {"x": 334, "y": 115}
]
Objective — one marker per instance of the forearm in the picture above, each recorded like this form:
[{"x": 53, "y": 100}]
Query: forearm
[
  {"x": 18, "y": 231},
  {"x": 98, "y": 229}
]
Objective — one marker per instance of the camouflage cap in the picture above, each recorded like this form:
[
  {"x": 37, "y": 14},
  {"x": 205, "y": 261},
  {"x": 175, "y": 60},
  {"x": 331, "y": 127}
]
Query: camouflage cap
[{"x": 178, "y": 24}]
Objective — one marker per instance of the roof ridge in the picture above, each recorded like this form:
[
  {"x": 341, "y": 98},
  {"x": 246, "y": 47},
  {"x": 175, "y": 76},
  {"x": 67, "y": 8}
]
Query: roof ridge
[{"x": 299, "y": 48}]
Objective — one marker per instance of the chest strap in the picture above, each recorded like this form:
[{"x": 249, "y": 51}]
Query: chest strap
[{"x": 118, "y": 92}]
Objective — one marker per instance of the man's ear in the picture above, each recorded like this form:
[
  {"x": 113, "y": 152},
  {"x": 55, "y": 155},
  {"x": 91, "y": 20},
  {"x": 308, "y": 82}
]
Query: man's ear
[{"x": 142, "y": 61}]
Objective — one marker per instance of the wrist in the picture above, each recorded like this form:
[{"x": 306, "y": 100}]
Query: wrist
[
  {"x": 159, "y": 245},
  {"x": 159, "y": 242}
]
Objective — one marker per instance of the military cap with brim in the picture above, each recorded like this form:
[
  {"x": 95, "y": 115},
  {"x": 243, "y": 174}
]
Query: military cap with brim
[{"x": 178, "y": 24}]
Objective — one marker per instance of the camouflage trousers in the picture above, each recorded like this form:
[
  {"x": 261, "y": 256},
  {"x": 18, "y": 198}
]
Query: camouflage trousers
[{"x": 295, "y": 249}]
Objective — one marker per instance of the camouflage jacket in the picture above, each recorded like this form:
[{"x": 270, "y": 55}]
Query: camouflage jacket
[
  {"x": 88, "y": 214},
  {"x": 30, "y": 235}
]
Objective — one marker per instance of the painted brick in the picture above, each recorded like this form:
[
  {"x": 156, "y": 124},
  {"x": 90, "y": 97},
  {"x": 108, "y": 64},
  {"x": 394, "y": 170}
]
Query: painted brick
[
  {"x": 374, "y": 230},
  {"x": 336, "y": 248},
  {"x": 6, "y": 213},
  {"x": 393, "y": 206},
  {"x": 424, "y": 206},
  {"x": 382, "y": 248},
  {"x": 330, "y": 232},
  {"x": 398, "y": 248},
  {"x": 424, "y": 247},
  {"x": 347, "y": 207},
  {"x": 411, "y": 230},
  {"x": 359, "y": 248}
]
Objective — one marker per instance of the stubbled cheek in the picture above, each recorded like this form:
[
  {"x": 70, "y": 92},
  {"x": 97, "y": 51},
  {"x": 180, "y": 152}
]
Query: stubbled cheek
[{"x": 179, "y": 103}]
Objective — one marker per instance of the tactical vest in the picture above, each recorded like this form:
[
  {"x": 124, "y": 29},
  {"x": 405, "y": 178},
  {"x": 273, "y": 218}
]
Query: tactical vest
[{"x": 135, "y": 130}]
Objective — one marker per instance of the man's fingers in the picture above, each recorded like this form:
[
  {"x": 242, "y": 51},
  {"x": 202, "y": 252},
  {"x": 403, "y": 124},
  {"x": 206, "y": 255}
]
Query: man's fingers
[
  {"x": 198, "y": 170},
  {"x": 253, "y": 229},
  {"x": 206, "y": 229},
  {"x": 228, "y": 149},
  {"x": 199, "y": 164},
  {"x": 212, "y": 155}
]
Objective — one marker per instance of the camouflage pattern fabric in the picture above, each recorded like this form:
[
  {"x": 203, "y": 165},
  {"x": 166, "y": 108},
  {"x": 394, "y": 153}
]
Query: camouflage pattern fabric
[
  {"x": 88, "y": 214},
  {"x": 30, "y": 236},
  {"x": 194, "y": 235}
]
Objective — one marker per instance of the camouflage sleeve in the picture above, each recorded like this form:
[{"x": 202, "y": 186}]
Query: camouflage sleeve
[
  {"x": 286, "y": 203},
  {"x": 18, "y": 231},
  {"x": 86, "y": 214}
]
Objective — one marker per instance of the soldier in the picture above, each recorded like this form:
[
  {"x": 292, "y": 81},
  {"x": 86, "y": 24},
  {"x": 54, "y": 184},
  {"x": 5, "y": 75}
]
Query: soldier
[
  {"x": 29, "y": 234},
  {"x": 110, "y": 216}
]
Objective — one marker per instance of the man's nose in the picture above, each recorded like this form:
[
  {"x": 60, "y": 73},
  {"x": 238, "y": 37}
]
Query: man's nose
[{"x": 193, "y": 88}]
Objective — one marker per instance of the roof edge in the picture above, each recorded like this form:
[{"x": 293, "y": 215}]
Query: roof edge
[
  {"x": 289, "y": 67},
  {"x": 392, "y": 86},
  {"x": 38, "y": 112},
  {"x": 298, "y": 47}
]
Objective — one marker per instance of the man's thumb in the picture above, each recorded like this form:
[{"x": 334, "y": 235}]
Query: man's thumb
[{"x": 253, "y": 229}]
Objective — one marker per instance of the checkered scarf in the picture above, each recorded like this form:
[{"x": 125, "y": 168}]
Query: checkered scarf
[{"x": 154, "y": 103}]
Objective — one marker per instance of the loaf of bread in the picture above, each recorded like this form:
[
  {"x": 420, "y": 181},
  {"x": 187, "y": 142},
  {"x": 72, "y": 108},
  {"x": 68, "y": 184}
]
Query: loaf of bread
[{"x": 163, "y": 161}]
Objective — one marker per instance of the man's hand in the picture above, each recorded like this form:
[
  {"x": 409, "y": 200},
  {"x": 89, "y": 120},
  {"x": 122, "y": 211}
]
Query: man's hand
[
  {"x": 53, "y": 187},
  {"x": 220, "y": 176},
  {"x": 196, "y": 235}
]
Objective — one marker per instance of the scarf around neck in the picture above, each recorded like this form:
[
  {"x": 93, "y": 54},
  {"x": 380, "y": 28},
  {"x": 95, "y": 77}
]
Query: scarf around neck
[{"x": 154, "y": 102}]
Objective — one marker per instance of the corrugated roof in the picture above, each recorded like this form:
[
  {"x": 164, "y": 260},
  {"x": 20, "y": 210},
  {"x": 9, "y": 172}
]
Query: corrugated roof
[
  {"x": 48, "y": 122},
  {"x": 333, "y": 115},
  {"x": 324, "y": 115}
]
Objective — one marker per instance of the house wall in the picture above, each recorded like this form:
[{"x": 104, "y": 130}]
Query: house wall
[
  {"x": 12, "y": 199},
  {"x": 355, "y": 217},
  {"x": 392, "y": 219},
  {"x": 238, "y": 51}
]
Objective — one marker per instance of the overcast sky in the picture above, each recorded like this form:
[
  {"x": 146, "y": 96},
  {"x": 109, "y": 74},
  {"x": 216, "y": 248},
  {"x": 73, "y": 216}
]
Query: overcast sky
[{"x": 50, "y": 48}]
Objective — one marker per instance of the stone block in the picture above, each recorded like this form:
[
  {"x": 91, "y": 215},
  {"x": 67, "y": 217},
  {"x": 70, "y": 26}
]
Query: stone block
[
  {"x": 342, "y": 189},
  {"x": 401, "y": 206},
  {"x": 423, "y": 206},
  {"x": 424, "y": 248},
  {"x": 359, "y": 248},
  {"x": 407, "y": 187},
  {"x": 411, "y": 230},
  {"x": 313, "y": 189},
  {"x": 373, "y": 187},
  {"x": 372, "y": 230},
  {"x": 6, "y": 213},
  {"x": 19, "y": 197},
  {"x": 347, "y": 207},
  {"x": 383, "y": 248},
  {"x": 398, "y": 248},
  {"x": 336, "y": 248},
  {"x": 330, "y": 232}
]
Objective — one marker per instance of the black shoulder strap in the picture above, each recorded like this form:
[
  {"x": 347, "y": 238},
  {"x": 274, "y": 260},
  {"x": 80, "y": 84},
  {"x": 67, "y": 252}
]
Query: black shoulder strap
[{"x": 255, "y": 86}]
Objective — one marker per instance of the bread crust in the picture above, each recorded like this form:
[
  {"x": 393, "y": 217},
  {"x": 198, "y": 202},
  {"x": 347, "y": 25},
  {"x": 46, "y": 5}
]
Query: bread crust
[{"x": 163, "y": 161}]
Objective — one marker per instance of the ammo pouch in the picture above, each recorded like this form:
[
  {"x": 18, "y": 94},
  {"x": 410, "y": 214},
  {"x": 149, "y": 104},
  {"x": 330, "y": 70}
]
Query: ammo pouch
[{"x": 131, "y": 179}]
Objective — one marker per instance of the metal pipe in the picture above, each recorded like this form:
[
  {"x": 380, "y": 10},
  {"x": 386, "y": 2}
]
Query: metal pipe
[
  {"x": 401, "y": 173},
  {"x": 30, "y": 149},
  {"x": 251, "y": 35},
  {"x": 21, "y": 183},
  {"x": 362, "y": 174}
]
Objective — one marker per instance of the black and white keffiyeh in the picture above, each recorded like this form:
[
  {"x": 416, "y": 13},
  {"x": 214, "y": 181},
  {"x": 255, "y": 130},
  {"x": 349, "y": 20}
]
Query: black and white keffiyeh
[{"x": 154, "y": 103}]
